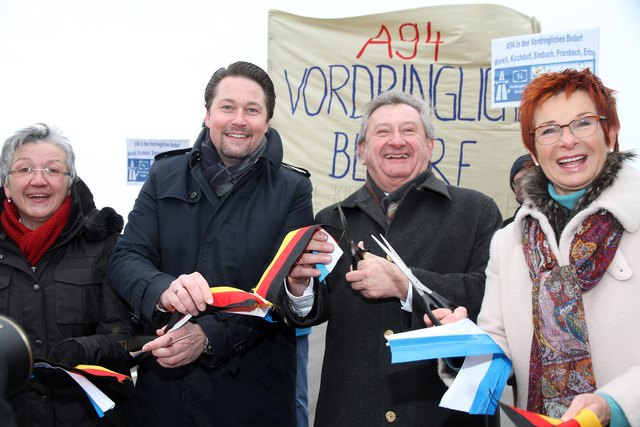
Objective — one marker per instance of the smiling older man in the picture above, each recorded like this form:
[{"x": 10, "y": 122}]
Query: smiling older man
[{"x": 442, "y": 232}]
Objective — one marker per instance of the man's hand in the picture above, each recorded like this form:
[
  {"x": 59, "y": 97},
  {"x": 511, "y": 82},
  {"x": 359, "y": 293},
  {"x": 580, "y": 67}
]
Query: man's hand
[
  {"x": 304, "y": 268},
  {"x": 444, "y": 315},
  {"x": 594, "y": 402},
  {"x": 189, "y": 293},
  {"x": 376, "y": 277},
  {"x": 170, "y": 355}
]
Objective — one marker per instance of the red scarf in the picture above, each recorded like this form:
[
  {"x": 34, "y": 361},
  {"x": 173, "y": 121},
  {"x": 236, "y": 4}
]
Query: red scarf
[{"x": 34, "y": 243}]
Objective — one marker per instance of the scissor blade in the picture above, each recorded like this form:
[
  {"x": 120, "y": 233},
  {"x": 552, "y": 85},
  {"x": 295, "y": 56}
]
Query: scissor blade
[
  {"x": 390, "y": 251},
  {"x": 345, "y": 225},
  {"x": 386, "y": 246},
  {"x": 430, "y": 297}
]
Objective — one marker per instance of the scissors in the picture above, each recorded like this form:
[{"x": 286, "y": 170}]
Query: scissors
[
  {"x": 431, "y": 298},
  {"x": 357, "y": 253}
]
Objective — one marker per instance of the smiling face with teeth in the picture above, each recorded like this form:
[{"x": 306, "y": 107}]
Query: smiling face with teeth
[
  {"x": 396, "y": 147},
  {"x": 37, "y": 196},
  {"x": 237, "y": 118},
  {"x": 572, "y": 163}
]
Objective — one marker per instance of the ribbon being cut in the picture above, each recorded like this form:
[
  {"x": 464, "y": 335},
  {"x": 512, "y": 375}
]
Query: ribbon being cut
[
  {"x": 101, "y": 386},
  {"x": 259, "y": 301},
  {"x": 484, "y": 373}
]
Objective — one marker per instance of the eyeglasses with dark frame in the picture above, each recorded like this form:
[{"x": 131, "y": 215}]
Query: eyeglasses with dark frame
[
  {"x": 29, "y": 172},
  {"x": 580, "y": 128}
]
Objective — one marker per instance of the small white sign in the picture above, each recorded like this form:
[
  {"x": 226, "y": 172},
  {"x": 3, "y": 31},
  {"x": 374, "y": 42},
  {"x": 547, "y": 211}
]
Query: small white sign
[
  {"x": 140, "y": 154},
  {"x": 516, "y": 61}
]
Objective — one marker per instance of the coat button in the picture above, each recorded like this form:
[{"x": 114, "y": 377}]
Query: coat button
[
  {"x": 44, "y": 398},
  {"x": 388, "y": 333},
  {"x": 36, "y": 287},
  {"x": 390, "y": 416},
  {"x": 38, "y": 343},
  {"x": 193, "y": 195}
]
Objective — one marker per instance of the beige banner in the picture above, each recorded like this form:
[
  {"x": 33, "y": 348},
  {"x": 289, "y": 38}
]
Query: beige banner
[{"x": 325, "y": 70}]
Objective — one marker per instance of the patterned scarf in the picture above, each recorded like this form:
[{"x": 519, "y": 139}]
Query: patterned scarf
[
  {"x": 34, "y": 243},
  {"x": 389, "y": 202},
  {"x": 560, "y": 363},
  {"x": 221, "y": 177}
]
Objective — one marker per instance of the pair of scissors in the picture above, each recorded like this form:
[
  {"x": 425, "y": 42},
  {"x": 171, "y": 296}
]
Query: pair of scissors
[
  {"x": 357, "y": 253},
  {"x": 431, "y": 298}
]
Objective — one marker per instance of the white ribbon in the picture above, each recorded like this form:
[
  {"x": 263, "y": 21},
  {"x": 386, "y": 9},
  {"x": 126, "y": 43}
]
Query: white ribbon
[{"x": 484, "y": 373}]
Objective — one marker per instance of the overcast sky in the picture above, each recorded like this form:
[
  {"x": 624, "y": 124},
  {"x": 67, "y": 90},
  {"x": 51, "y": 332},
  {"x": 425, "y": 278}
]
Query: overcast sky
[{"x": 107, "y": 71}]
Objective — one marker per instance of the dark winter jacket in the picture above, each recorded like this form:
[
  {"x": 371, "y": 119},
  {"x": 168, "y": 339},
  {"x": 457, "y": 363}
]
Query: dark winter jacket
[
  {"x": 443, "y": 233},
  {"x": 67, "y": 310},
  {"x": 179, "y": 226}
]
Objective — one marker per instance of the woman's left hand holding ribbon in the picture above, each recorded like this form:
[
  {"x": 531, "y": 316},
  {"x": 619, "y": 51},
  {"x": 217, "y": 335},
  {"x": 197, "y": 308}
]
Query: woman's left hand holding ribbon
[{"x": 591, "y": 401}]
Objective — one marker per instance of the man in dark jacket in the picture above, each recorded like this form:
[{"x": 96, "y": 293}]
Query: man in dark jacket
[
  {"x": 211, "y": 216},
  {"x": 441, "y": 232},
  {"x": 515, "y": 175}
]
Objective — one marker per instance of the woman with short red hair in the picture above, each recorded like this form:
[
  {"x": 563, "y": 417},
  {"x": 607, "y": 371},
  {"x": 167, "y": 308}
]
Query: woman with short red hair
[{"x": 563, "y": 280}]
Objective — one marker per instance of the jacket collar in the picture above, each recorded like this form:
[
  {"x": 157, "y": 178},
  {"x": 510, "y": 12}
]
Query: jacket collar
[
  {"x": 363, "y": 199},
  {"x": 272, "y": 154},
  {"x": 433, "y": 184},
  {"x": 362, "y": 196},
  {"x": 534, "y": 188}
]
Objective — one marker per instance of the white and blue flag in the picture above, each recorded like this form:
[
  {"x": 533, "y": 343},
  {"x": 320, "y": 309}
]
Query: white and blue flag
[{"x": 484, "y": 373}]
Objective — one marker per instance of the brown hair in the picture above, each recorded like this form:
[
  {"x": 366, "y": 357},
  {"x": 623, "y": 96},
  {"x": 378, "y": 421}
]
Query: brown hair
[
  {"x": 248, "y": 71},
  {"x": 548, "y": 85}
]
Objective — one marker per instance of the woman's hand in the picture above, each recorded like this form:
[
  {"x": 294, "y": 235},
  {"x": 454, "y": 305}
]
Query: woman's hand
[
  {"x": 594, "y": 402},
  {"x": 444, "y": 315}
]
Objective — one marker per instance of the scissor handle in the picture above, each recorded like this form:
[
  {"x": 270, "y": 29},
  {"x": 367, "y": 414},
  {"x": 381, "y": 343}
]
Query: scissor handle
[
  {"x": 438, "y": 301},
  {"x": 434, "y": 301},
  {"x": 430, "y": 314},
  {"x": 357, "y": 254}
]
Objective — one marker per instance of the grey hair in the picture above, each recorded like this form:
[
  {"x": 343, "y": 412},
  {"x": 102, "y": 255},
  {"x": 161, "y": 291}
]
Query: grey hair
[
  {"x": 394, "y": 97},
  {"x": 35, "y": 134}
]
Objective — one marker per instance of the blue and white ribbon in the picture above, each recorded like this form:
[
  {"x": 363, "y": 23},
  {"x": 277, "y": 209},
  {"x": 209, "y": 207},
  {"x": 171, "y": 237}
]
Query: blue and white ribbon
[{"x": 484, "y": 373}]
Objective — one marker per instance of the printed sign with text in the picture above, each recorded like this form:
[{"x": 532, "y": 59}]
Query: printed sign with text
[
  {"x": 140, "y": 154},
  {"x": 517, "y": 60},
  {"x": 326, "y": 70}
]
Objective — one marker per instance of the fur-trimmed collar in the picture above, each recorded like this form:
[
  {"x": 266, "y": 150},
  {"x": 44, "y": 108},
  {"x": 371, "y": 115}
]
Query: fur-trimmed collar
[
  {"x": 534, "y": 190},
  {"x": 102, "y": 223}
]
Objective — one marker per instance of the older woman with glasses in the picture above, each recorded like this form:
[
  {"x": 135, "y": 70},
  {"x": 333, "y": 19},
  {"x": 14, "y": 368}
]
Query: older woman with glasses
[
  {"x": 54, "y": 244},
  {"x": 563, "y": 281}
]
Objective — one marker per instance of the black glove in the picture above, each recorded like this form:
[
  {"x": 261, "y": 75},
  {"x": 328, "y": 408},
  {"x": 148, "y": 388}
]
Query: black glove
[
  {"x": 69, "y": 353},
  {"x": 101, "y": 350}
]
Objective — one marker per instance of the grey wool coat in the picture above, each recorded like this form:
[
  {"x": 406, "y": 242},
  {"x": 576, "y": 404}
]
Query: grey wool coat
[{"x": 443, "y": 233}]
